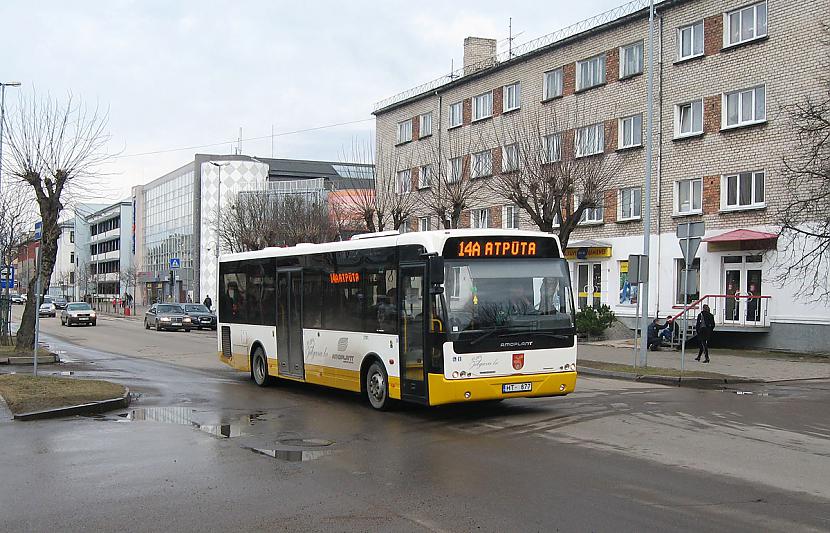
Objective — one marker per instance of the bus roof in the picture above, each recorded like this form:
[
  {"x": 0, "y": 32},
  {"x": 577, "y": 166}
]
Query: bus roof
[{"x": 432, "y": 241}]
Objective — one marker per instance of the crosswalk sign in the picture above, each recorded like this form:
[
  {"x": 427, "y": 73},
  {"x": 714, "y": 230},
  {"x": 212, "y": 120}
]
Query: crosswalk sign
[{"x": 175, "y": 262}]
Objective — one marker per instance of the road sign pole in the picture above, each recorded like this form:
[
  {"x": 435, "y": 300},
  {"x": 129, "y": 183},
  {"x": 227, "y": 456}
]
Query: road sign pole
[
  {"x": 685, "y": 307},
  {"x": 38, "y": 256}
]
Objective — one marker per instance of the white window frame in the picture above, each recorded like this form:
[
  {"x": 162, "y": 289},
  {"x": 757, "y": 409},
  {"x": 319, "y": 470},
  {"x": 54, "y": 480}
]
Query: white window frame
[
  {"x": 404, "y": 227},
  {"x": 403, "y": 181},
  {"x": 425, "y": 125},
  {"x": 405, "y": 131},
  {"x": 695, "y": 29},
  {"x": 424, "y": 223},
  {"x": 742, "y": 13},
  {"x": 480, "y": 218},
  {"x": 636, "y": 47},
  {"x": 507, "y": 158},
  {"x": 552, "y": 145},
  {"x": 632, "y": 124},
  {"x": 596, "y": 72},
  {"x": 690, "y": 183},
  {"x": 483, "y": 106},
  {"x": 482, "y": 164},
  {"x": 511, "y": 97},
  {"x": 553, "y": 83},
  {"x": 591, "y": 215},
  {"x": 754, "y": 202},
  {"x": 456, "y": 114},
  {"x": 595, "y": 132},
  {"x": 635, "y": 207},
  {"x": 455, "y": 169},
  {"x": 678, "y": 134},
  {"x": 510, "y": 217},
  {"x": 739, "y": 97},
  {"x": 424, "y": 175}
]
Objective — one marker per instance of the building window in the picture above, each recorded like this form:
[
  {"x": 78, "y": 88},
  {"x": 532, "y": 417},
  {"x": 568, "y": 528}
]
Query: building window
[
  {"x": 552, "y": 145},
  {"x": 454, "y": 168},
  {"x": 482, "y": 164},
  {"x": 690, "y": 41},
  {"x": 404, "y": 227},
  {"x": 425, "y": 129},
  {"x": 591, "y": 215},
  {"x": 589, "y": 140},
  {"x": 693, "y": 289},
  {"x": 631, "y": 59},
  {"x": 688, "y": 119},
  {"x": 631, "y": 202},
  {"x": 512, "y": 96},
  {"x": 631, "y": 131},
  {"x": 404, "y": 182},
  {"x": 424, "y": 224},
  {"x": 72, "y": 236},
  {"x": 510, "y": 217},
  {"x": 745, "y": 24},
  {"x": 553, "y": 84},
  {"x": 743, "y": 190},
  {"x": 72, "y": 257},
  {"x": 456, "y": 117},
  {"x": 510, "y": 158},
  {"x": 425, "y": 177},
  {"x": 745, "y": 107},
  {"x": 405, "y": 131},
  {"x": 480, "y": 218},
  {"x": 483, "y": 106},
  {"x": 688, "y": 196},
  {"x": 590, "y": 72}
]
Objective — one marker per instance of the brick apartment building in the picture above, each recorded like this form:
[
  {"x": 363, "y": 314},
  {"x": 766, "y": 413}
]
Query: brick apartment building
[{"x": 723, "y": 71}]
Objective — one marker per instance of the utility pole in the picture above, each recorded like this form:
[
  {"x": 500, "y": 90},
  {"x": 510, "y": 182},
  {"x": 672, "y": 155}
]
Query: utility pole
[{"x": 647, "y": 215}]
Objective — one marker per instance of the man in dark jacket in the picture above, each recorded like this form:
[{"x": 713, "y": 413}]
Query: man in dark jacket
[
  {"x": 208, "y": 302},
  {"x": 653, "y": 335},
  {"x": 704, "y": 327}
]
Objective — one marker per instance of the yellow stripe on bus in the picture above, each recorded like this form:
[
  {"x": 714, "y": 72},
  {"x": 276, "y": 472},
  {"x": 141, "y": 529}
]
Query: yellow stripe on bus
[{"x": 442, "y": 390}]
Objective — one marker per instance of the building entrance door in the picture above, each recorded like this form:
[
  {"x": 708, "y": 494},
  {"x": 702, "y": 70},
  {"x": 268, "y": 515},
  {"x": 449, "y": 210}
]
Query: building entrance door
[
  {"x": 742, "y": 285},
  {"x": 589, "y": 284}
]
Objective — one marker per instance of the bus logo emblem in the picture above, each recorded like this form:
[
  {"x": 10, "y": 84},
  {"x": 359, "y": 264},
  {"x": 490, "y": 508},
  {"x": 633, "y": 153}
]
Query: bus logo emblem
[
  {"x": 518, "y": 361},
  {"x": 342, "y": 344}
]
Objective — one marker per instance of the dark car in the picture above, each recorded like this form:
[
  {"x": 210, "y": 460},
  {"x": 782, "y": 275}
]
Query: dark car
[
  {"x": 200, "y": 315},
  {"x": 78, "y": 313},
  {"x": 167, "y": 316},
  {"x": 60, "y": 302}
]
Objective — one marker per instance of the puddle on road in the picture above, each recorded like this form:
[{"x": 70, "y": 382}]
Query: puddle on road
[
  {"x": 294, "y": 456},
  {"x": 185, "y": 416}
]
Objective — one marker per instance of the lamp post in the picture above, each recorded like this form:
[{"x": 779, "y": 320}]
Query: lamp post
[{"x": 3, "y": 86}]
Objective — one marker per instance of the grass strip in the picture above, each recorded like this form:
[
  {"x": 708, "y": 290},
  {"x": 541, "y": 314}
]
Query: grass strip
[
  {"x": 11, "y": 351},
  {"x": 647, "y": 371},
  {"x": 24, "y": 393}
]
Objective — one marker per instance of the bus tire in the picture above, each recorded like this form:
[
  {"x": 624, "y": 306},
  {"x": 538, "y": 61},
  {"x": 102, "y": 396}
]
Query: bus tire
[
  {"x": 259, "y": 368},
  {"x": 377, "y": 387}
]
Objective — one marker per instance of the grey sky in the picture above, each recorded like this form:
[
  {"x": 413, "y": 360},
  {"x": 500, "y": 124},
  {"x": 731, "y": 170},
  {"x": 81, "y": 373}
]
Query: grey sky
[{"x": 178, "y": 74}]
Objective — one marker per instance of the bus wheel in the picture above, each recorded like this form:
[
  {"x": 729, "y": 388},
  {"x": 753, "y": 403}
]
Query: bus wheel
[
  {"x": 259, "y": 368},
  {"x": 377, "y": 387}
]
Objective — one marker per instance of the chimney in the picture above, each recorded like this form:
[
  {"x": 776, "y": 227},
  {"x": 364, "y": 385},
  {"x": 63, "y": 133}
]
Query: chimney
[{"x": 479, "y": 54}]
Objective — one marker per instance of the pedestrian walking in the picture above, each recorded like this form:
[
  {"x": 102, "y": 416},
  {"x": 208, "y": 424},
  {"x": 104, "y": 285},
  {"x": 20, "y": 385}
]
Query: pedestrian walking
[
  {"x": 704, "y": 327},
  {"x": 114, "y": 305},
  {"x": 208, "y": 302}
]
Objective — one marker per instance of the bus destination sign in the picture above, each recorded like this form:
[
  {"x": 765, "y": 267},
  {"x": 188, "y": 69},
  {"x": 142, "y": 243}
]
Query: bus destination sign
[
  {"x": 344, "y": 277},
  {"x": 499, "y": 247}
]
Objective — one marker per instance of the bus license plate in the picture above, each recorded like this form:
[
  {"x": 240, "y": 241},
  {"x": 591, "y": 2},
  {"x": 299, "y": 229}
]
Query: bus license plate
[{"x": 516, "y": 387}]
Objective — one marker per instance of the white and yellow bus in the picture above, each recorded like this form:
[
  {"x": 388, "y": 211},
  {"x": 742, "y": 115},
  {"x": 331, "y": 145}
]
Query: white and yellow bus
[{"x": 431, "y": 317}]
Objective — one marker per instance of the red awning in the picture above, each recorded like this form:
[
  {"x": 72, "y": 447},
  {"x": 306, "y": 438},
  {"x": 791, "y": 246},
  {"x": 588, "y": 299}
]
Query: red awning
[{"x": 742, "y": 235}]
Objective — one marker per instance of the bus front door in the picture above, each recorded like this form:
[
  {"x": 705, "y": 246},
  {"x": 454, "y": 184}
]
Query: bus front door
[
  {"x": 289, "y": 323},
  {"x": 414, "y": 301}
]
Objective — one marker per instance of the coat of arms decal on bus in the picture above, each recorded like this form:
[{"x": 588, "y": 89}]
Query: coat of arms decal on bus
[{"x": 518, "y": 361}]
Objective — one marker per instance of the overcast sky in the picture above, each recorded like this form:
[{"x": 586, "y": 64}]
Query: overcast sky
[{"x": 190, "y": 73}]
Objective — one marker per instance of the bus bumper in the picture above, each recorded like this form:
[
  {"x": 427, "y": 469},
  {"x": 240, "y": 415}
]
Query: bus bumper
[{"x": 443, "y": 391}]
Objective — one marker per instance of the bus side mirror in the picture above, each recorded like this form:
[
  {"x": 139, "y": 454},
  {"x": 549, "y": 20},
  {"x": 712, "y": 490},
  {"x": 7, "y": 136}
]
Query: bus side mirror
[{"x": 436, "y": 270}]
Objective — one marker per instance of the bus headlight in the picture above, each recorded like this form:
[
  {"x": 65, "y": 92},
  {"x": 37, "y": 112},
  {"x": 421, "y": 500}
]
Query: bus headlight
[{"x": 562, "y": 387}]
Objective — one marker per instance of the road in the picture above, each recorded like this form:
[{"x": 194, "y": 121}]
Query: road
[{"x": 204, "y": 449}]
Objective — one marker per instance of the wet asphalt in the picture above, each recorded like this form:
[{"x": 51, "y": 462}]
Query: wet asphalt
[{"x": 204, "y": 449}]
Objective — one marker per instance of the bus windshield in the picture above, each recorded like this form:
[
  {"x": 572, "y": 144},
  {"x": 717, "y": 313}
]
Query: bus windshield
[{"x": 509, "y": 294}]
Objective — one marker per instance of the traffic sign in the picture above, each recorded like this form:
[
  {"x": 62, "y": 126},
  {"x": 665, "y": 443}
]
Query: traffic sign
[
  {"x": 6, "y": 277},
  {"x": 689, "y": 247},
  {"x": 637, "y": 268},
  {"x": 690, "y": 229},
  {"x": 38, "y": 230},
  {"x": 175, "y": 262}
]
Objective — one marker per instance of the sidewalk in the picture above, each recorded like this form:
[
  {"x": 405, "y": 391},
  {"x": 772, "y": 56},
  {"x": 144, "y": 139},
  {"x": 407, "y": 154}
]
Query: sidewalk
[{"x": 750, "y": 364}]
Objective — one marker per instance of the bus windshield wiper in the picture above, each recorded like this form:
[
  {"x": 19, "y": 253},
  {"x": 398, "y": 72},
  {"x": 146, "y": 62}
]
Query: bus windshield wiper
[
  {"x": 483, "y": 336},
  {"x": 541, "y": 333}
]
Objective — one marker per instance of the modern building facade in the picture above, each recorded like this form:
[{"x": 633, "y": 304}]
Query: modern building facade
[
  {"x": 723, "y": 72},
  {"x": 106, "y": 257}
]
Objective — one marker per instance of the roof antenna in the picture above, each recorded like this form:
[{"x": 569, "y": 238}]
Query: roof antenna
[{"x": 510, "y": 38}]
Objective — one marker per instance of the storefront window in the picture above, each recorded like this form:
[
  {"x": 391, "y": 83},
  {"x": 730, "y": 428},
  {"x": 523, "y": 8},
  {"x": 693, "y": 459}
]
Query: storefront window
[
  {"x": 628, "y": 290},
  {"x": 694, "y": 281}
]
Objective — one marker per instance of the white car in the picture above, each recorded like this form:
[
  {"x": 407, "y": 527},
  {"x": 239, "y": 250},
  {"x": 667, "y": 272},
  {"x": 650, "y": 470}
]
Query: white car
[{"x": 48, "y": 309}]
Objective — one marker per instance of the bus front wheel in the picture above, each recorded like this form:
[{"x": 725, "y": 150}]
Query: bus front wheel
[
  {"x": 377, "y": 387},
  {"x": 259, "y": 368}
]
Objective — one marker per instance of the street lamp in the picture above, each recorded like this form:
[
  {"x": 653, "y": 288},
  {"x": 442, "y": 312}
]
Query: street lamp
[
  {"x": 3, "y": 86},
  {"x": 218, "y": 201}
]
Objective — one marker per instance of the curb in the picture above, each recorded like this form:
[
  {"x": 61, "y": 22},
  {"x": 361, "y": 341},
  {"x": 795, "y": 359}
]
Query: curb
[
  {"x": 83, "y": 409},
  {"x": 694, "y": 382},
  {"x": 25, "y": 360}
]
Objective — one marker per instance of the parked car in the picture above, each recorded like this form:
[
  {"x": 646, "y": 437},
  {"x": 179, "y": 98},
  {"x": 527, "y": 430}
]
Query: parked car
[
  {"x": 17, "y": 298},
  {"x": 78, "y": 313},
  {"x": 200, "y": 316},
  {"x": 166, "y": 316},
  {"x": 47, "y": 309},
  {"x": 60, "y": 302}
]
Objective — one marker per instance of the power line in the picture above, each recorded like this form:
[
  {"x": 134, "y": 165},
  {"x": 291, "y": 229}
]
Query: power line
[{"x": 196, "y": 147}]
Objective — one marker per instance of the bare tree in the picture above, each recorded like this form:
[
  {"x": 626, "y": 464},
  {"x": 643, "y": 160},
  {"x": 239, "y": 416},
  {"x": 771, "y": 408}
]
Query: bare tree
[
  {"x": 55, "y": 149},
  {"x": 545, "y": 169},
  {"x": 129, "y": 278},
  {"x": 16, "y": 220}
]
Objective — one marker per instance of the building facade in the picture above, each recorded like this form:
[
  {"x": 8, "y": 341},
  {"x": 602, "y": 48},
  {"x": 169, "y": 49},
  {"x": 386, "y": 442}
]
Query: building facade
[
  {"x": 105, "y": 255},
  {"x": 723, "y": 72}
]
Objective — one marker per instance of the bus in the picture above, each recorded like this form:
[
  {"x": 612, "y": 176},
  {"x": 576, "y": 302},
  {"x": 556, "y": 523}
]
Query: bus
[{"x": 433, "y": 317}]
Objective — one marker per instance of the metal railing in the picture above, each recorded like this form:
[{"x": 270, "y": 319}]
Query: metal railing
[{"x": 731, "y": 310}]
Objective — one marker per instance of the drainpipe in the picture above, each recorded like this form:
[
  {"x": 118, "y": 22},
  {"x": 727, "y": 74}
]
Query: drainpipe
[
  {"x": 440, "y": 152},
  {"x": 659, "y": 155}
]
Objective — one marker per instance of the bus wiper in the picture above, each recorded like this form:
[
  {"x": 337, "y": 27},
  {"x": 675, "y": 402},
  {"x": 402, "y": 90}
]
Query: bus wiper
[
  {"x": 483, "y": 336},
  {"x": 541, "y": 333}
]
